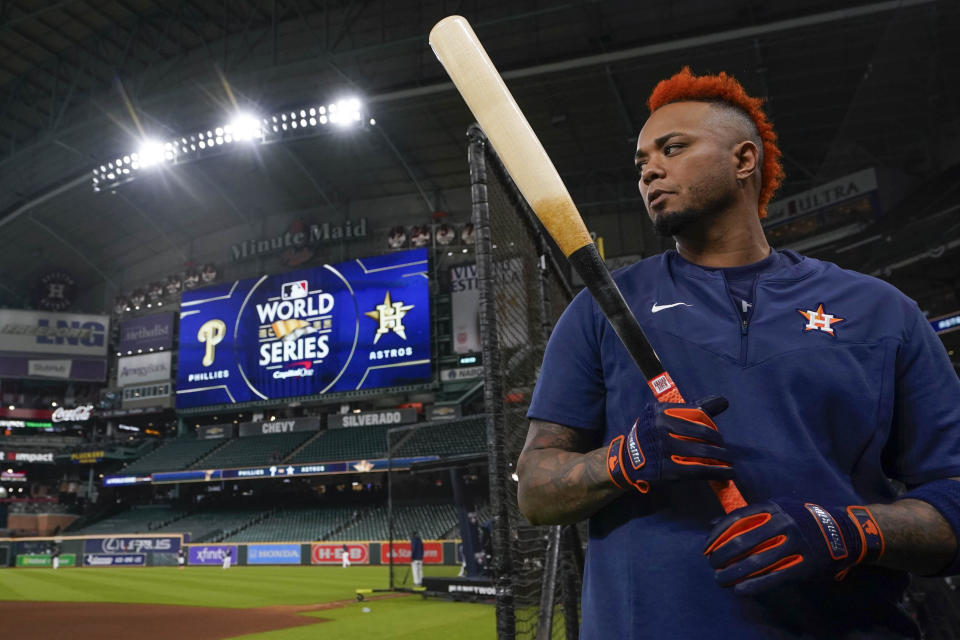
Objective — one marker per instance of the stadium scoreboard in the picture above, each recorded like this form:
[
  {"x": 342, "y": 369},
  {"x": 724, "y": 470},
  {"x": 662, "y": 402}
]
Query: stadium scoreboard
[{"x": 362, "y": 324}]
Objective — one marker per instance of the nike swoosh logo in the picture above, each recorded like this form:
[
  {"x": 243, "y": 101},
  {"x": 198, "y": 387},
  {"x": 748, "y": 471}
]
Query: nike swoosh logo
[{"x": 660, "y": 307}]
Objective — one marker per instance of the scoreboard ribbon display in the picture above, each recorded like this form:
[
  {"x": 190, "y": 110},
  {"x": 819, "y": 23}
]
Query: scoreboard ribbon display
[{"x": 356, "y": 325}]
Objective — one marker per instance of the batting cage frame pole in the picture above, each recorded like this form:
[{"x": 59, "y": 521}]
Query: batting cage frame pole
[
  {"x": 492, "y": 387},
  {"x": 390, "y": 504},
  {"x": 549, "y": 585}
]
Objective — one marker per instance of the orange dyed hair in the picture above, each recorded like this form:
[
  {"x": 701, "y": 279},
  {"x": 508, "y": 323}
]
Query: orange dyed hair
[{"x": 723, "y": 88}]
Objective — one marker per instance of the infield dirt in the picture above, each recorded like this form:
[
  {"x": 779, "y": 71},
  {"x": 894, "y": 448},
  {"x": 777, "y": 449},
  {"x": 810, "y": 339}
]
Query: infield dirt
[{"x": 98, "y": 620}]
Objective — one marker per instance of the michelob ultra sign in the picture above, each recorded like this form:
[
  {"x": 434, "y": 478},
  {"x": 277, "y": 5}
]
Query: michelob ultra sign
[{"x": 361, "y": 324}]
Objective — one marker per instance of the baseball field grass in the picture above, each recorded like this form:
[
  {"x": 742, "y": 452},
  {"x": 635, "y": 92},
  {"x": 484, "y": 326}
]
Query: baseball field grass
[{"x": 397, "y": 618}]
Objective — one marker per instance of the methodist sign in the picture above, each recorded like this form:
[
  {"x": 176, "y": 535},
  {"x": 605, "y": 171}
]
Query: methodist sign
[
  {"x": 356, "y": 325},
  {"x": 149, "y": 332}
]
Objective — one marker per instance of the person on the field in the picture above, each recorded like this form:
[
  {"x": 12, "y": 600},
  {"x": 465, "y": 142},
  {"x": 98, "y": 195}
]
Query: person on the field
[
  {"x": 416, "y": 558},
  {"x": 813, "y": 387}
]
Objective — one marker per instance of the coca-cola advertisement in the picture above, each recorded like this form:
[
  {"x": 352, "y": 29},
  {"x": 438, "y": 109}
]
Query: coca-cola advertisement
[{"x": 78, "y": 414}]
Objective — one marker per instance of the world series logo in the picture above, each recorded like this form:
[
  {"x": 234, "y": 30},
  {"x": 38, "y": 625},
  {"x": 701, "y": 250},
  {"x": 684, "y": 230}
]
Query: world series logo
[{"x": 339, "y": 327}]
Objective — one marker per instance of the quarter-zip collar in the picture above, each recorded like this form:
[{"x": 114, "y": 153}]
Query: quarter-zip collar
[{"x": 790, "y": 266}]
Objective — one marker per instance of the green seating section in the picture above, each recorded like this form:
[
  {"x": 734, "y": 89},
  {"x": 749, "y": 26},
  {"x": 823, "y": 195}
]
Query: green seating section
[
  {"x": 135, "y": 520},
  {"x": 457, "y": 437},
  {"x": 299, "y": 524},
  {"x": 202, "y": 523},
  {"x": 430, "y": 520},
  {"x": 350, "y": 443},
  {"x": 172, "y": 456},
  {"x": 254, "y": 451}
]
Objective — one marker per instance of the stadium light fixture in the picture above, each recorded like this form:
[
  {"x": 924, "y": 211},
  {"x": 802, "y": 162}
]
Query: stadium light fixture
[
  {"x": 151, "y": 153},
  {"x": 244, "y": 127}
]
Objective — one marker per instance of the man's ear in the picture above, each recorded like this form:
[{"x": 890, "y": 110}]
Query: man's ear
[{"x": 747, "y": 158}]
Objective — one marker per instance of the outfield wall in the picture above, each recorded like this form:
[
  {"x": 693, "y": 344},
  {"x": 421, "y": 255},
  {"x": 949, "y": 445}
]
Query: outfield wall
[{"x": 161, "y": 550}]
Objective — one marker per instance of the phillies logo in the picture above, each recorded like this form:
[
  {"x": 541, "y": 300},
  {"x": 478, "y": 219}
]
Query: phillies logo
[{"x": 819, "y": 320}]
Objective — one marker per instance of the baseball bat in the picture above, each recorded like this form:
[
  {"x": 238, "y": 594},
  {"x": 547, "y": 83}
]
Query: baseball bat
[{"x": 482, "y": 88}]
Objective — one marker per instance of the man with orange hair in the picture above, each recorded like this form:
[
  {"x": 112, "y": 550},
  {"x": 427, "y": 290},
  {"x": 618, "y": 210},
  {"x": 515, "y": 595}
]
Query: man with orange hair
[{"x": 824, "y": 384}]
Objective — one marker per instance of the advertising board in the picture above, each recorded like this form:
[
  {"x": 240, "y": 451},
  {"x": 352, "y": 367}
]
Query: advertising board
[
  {"x": 432, "y": 552},
  {"x": 211, "y": 553},
  {"x": 273, "y": 427},
  {"x": 148, "y": 332},
  {"x": 121, "y": 560},
  {"x": 141, "y": 369},
  {"x": 119, "y": 546},
  {"x": 54, "y": 333},
  {"x": 273, "y": 554},
  {"x": 355, "y": 325},
  {"x": 332, "y": 552},
  {"x": 390, "y": 417},
  {"x": 45, "y": 560}
]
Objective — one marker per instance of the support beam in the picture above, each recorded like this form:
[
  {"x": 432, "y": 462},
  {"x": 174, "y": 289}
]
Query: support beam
[
  {"x": 150, "y": 222},
  {"x": 77, "y": 251},
  {"x": 672, "y": 45},
  {"x": 406, "y": 167}
]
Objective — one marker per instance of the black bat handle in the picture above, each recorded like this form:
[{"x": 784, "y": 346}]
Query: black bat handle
[{"x": 588, "y": 263}]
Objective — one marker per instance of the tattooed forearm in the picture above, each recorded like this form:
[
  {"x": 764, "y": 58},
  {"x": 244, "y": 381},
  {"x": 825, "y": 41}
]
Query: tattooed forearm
[
  {"x": 559, "y": 484},
  {"x": 916, "y": 537}
]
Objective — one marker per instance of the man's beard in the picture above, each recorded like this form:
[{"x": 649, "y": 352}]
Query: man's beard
[{"x": 672, "y": 224}]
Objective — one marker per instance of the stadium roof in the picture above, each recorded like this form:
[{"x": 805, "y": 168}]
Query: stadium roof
[{"x": 849, "y": 85}]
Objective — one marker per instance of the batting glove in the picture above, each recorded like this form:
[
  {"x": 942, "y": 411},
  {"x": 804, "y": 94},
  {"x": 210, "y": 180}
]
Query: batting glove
[
  {"x": 670, "y": 442},
  {"x": 763, "y": 545}
]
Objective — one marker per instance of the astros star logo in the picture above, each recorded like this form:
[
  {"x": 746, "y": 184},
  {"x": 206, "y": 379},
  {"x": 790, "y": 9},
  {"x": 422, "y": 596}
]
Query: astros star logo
[
  {"x": 390, "y": 316},
  {"x": 818, "y": 320}
]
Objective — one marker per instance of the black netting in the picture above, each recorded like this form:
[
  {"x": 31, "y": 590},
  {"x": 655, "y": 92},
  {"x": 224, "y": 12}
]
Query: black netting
[{"x": 522, "y": 293}]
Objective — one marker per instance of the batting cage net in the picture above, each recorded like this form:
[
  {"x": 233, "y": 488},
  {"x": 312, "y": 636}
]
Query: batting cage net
[
  {"x": 536, "y": 570},
  {"x": 423, "y": 498}
]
